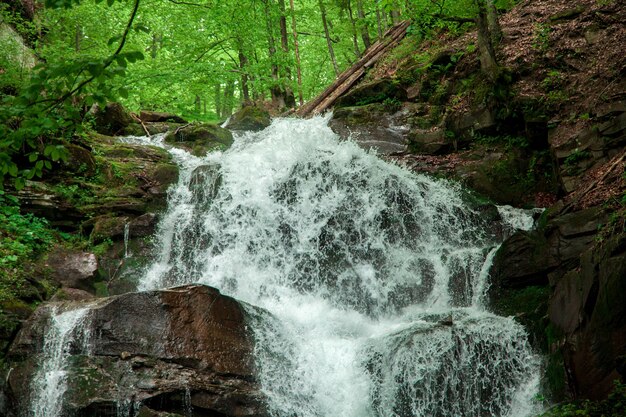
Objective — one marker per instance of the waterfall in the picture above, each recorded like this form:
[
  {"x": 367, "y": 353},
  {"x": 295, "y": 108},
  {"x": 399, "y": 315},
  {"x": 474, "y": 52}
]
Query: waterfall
[
  {"x": 65, "y": 333},
  {"x": 373, "y": 278}
]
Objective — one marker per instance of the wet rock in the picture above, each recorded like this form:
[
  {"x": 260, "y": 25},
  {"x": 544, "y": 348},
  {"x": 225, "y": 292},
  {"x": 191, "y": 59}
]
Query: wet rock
[
  {"x": 154, "y": 116},
  {"x": 205, "y": 182},
  {"x": 542, "y": 256},
  {"x": 200, "y": 138},
  {"x": 73, "y": 269},
  {"x": 80, "y": 160},
  {"x": 112, "y": 119},
  {"x": 373, "y": 126},
  {"x": 377, "y": 91},
  {"x": 185, "y": 347},
  {"x": 71, "y": 294},
  {"x": 249, "y": 118}
]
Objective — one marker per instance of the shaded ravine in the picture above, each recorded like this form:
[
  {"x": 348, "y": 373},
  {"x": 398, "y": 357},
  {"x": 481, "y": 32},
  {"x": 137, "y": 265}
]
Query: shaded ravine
[{"x": 370, "y": 279}]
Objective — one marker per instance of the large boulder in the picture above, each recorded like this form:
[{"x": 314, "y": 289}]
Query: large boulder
[
  {"x": 154, "y": 116},
  {"x": 112, "y": 119},
  {"x": 72, "y": 268},
  {"x": 373, "y": 126},
  {"x": 249, "y": 118},
  {"x": 200, "y": 138},
  {"x": 175, "y": 350}
]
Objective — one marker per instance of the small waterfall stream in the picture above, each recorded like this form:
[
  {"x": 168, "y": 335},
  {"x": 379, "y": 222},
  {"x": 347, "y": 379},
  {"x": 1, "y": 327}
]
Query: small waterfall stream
[
  {"x": 50, "y": 382},
  {"x": 373, "y": 278}
]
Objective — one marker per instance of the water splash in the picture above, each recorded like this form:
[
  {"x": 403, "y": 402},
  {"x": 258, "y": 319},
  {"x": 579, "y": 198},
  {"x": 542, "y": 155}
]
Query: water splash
[
  {"x": 66, "y": 333},
  {"x": 373, "y": 278}
]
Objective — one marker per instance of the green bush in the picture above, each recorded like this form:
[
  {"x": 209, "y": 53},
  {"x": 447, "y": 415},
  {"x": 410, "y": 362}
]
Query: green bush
[{"x": 22, "y": 237}]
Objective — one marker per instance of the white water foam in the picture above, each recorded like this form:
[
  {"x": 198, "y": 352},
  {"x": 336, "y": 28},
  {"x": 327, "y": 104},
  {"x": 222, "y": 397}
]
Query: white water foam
[{"x": 373, "y": 278}]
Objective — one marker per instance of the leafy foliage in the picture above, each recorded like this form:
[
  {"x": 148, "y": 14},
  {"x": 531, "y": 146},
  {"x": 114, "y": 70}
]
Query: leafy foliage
[{"x": 22, "y": 238}]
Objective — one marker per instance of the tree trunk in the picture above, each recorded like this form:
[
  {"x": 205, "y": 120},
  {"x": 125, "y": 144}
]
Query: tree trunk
[
  {"x": 218, "y": 100},
  {"x": 488, "y": 62},
  {"x": 379, "y": 24},
  {"x": 355, "y": 35},
  {"x": 228, "y": 103},
  {"x": 78, "y": 37},
  {"x": 351, "y": 75},
  {"x": 198, "y": 104},
  {"x": 297, "y": 51},
  {"x": 243, "y": 63},
  {"x": 290, "y": 100},
  {"x": 329, "y": 42},
  {"x": 365, "y": 34},
  {"x": 494, "y": 25}
]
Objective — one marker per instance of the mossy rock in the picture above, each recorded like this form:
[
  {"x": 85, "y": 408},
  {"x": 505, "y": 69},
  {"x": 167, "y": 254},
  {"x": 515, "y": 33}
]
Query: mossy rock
[
  {"x": 377, "y": 91},
  {"x": 80, "y": 161},
  {"x": 201, "y": 138},
  {"x": 111, "y": 120},
  {"x": 250, "y": 118}
]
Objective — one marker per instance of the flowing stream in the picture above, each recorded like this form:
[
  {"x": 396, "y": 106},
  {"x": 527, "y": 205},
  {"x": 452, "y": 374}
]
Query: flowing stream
[{"x": 373, "y": 278}]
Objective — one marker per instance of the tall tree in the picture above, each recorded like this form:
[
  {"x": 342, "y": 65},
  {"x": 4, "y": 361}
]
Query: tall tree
[
  {"x": 297, "y": 51},
  {"x": 329, "y": 42}
]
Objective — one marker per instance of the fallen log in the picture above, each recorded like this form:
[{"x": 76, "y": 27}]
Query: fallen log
[{"x": 350, "y": 76}]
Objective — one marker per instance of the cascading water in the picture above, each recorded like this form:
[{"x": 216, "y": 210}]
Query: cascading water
[
  {"x": 49, "y": 384},
  {"x": 373, "y": 278}
]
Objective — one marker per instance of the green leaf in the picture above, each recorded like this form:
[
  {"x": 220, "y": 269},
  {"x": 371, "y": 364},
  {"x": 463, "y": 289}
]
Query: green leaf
[
  {"x": 33, "y": 157},
  {"x": 114, "y": 39},
  {"x": 19, "y": 183},
  {"x": 123, "y": 92}
]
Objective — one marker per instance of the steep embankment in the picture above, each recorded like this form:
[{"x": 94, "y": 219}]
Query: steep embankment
[{"x": 551, "y": 132}]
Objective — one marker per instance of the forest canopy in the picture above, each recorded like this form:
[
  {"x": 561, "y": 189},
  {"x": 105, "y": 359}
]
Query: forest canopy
[{"x": 201, "y": 59}]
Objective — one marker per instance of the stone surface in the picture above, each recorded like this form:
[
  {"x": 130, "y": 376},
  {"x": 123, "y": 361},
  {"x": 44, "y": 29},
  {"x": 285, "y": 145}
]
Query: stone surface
[
  {"x": 152, "y": 347},
  {"x": 73, "y": 269},
  {"x": 112, "y": 119},
  {"x": 249, "y": 118},
  {"x": 372, "y": 126},
  {"x": 200, "y": 138},
  {"x": 155, "y": 116}
]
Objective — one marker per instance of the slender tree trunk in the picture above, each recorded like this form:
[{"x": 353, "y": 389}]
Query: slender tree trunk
[
  {"x": 290, "y": 100},
  {"x": 243, "y": 64},
  {"x": 379, "y": 25},
  {"x": 227, "y": 104},
  {"x": 198, "y": 104},
  {"x": 488, "y": 62},
  {"x": 329, "y": 42},
  {"x": 355, "y": 35},
  {"x": 218, "y": 100},
  {"x": 365, "y": 34},
  {"x": 494, "y": 24},
  {"x": 78, "y": 37},
  {"x": 297, "y": 51}
]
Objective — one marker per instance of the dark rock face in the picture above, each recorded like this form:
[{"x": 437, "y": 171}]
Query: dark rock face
[
  {"x": 73, "y": 269},
  {"x": 587, "y": 306},
  {"x": 200, "y": 138},
  {"x": 372, "y": 126},
  {"x": 249, "y": 118},
  {"x": 167, "y": 350},
  {"x": 373, "y": 92},
  {"x": 112, "y": 119},
  {"x": 592, "y": 146}
]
